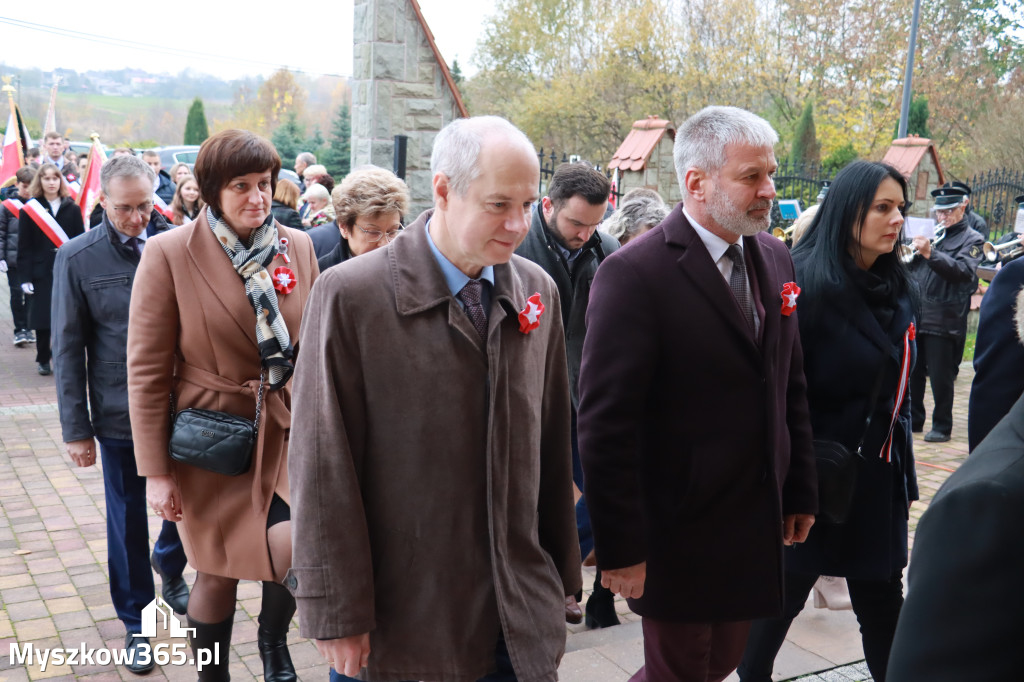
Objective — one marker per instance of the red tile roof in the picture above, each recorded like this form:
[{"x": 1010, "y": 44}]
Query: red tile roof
[
  {"x": 636, "y": 149},
  {"x": 906, "y": 153},
  {"x": 445, "y": 73}
]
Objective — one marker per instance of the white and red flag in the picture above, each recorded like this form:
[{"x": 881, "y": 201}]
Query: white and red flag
[
  {"x": 16, "y": 144},
  {"x": 46, "y": 222},
  {"x": 89, "y": 193}
]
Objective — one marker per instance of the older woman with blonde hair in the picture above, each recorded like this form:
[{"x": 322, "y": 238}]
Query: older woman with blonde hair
[
  {"x": 320, "y": 210},
  {"x": 369, "y": 205},
  {"x": 214, "y": 316}
]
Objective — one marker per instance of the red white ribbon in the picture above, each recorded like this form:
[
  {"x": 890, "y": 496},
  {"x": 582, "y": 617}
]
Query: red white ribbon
[
  {"x": 161, "y": 206},
  {"x": 46, "y": 222},
  {"x": 901, "y": 393},
  {"x": 14, "y": 206}
]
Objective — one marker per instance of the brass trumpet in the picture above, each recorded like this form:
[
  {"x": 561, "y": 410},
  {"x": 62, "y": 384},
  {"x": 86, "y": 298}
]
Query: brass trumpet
[
  {"x": 909, "y": 253},
  {"x": 784, "y": 234},
  {"x": 993, "y": 252}
]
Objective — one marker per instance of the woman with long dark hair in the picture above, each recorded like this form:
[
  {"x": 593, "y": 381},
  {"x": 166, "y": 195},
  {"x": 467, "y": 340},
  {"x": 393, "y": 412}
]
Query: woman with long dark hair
[
  {"x": 50, "y": 212},
  {"x": 856, "y": 328}
]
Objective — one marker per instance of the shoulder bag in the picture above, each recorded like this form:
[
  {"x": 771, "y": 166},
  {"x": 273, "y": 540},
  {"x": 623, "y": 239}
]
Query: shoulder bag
[{"x": 214, "y": 441}]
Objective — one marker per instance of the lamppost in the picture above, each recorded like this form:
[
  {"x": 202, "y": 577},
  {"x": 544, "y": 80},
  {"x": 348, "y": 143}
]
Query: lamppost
[{"x": 908, "y": 77}]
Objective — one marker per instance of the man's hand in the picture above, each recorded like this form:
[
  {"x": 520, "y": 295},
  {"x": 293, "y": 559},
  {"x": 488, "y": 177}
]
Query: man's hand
[
  {"x": 3, "y": 265},
  {"x": 923, "y": 246},
  {"x": 82, "y": 452},
  {"x": 347, "y": 655},
  {"x": 795, "y": 528},
  {"x": 163, "y": 496},
  {"x": 28, "y": 288},
  {"x": 628, "y": 582}
]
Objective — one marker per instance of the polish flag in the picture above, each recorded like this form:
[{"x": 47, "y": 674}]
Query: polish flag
[
  {"x": 13, "y": 159},
  {"x": 89, "y": 193},
  {"x": 46, "y": 222}
]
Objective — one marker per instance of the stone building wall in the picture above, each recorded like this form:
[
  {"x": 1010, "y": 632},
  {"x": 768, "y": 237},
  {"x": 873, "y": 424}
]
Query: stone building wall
[{"x": 401, "y": 86}]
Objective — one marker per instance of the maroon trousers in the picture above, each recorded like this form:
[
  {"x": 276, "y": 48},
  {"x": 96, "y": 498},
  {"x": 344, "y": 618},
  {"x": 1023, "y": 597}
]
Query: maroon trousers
[{"x": 691, "y": 652}]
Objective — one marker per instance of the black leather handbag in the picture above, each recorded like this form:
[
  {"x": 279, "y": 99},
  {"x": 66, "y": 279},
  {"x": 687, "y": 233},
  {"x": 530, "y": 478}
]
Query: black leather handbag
[
  {"x": 215, "y": 441},
  {"x": 838, "y": 468}
]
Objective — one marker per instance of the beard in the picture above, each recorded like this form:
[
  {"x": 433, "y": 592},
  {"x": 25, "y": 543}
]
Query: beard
[{"x": 735, "y": 219}]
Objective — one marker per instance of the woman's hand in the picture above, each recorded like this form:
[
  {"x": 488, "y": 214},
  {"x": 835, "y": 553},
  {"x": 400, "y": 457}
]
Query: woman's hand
[
  {"x": 347, "y": 655},
  {"x": 163, "y": 496}
]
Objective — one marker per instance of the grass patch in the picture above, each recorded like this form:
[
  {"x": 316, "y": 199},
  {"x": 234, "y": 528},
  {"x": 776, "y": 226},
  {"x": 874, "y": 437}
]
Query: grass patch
[{"x": 972, "y": 338}]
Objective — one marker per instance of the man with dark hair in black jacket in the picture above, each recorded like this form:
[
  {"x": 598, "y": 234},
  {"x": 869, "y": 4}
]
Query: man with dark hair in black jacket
[
  {"x": 92, "y": 286},
  {"x": 565, "y": 241}
]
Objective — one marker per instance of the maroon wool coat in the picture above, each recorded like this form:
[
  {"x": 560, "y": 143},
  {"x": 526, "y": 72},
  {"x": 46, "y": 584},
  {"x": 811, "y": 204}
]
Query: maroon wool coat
[{"x": 695, "y": 438}]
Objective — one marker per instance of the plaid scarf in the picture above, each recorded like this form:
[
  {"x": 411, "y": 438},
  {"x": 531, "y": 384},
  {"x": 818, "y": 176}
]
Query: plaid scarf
[{"x": 251, "y": 265}]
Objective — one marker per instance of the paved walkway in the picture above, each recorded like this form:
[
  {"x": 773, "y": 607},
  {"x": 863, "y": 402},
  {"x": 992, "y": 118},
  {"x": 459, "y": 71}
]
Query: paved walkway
[{"x": 53, "y": 573}]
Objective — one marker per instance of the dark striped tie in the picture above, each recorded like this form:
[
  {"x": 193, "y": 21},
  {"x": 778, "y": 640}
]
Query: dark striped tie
[
  {"x": 471, "y": 296},
  {"x": 738, "y": 283}
]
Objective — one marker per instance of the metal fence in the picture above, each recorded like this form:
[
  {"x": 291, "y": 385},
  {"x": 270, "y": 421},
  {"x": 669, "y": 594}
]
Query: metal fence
[
  {"x": 992, "y": 197},
  {"x": 550, "y": 162},
  {"x": 800, "y": 181}
]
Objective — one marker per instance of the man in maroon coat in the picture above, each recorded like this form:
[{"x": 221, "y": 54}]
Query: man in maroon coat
[{"x": 693, "y": 424}]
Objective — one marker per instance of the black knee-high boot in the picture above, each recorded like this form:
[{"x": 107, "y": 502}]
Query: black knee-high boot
[
  {"x": 601, "y": 606},
  {"x": 214, "y": 640},
  {"x": 272, "y": 637}
]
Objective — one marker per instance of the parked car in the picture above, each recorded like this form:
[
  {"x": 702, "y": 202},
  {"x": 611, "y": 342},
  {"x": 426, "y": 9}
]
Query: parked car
[
  {"x": 185, "y": 153},
  {"x": 80, "y": 147}
]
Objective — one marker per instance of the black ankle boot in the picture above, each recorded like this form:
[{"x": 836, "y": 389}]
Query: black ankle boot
[
  {"x": 601, "y": 606},
  {"x": 214, "y": 640},
  {"x": 272, "y": 636}
]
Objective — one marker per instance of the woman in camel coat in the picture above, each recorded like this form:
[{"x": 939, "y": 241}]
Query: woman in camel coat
[{"x": 193, "y": 334}]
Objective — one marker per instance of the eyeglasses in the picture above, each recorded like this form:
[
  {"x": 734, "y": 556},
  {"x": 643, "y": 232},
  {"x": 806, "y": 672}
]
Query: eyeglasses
[
  {"x": 376, "y": 235},
  {"x": 126, "y": 211}
]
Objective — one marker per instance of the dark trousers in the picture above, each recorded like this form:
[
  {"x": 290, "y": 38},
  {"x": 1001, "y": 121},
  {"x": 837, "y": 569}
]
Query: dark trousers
[
  {"x": 43, "y": 354},
  {"x": 690, "y": 652},
  {"x": 19, "y": 311},
  {"x": 586, "y": 535},
  {"x": 131, "y": 577},
  {"x": 504, "y": 673},
  {"x": 936, "y": 360},
  {"x": 877, "y": 604}
]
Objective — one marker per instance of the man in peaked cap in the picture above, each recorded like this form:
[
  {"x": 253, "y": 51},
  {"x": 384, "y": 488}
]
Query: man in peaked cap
[
  {"x": 974, "y": 221},
  {"x": 946, "y": 273}
]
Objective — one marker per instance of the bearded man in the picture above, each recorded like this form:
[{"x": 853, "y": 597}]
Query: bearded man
[{"x": 693, "y": 423}]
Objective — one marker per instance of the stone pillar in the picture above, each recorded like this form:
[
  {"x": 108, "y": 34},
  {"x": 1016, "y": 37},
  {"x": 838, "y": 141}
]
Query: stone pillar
[{"x": 401, "y": 86}]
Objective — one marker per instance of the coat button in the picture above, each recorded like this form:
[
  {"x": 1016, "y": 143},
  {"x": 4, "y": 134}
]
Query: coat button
[{"x": 290, "y": 582}]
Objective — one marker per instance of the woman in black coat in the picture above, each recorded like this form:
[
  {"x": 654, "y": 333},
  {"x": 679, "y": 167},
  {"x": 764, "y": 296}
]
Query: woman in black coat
[
  {"x": 856, "y": 328},
  {"x": 37, "y": 251}
]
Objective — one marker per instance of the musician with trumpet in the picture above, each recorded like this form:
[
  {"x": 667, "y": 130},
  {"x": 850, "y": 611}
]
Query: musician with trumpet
[{"x": 944, "y": 269}]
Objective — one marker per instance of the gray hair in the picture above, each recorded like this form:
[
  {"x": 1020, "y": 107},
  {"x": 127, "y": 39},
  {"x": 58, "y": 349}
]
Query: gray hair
[
  {"x": 316, "y": 191},
  {"x": 307, "y": 158},
  {"x": 124, "y": 166},
  {"x": 457, "y": 148},
  {"x": 702, "y": 139},
  {"x": 633, "y": 217},
  {"x": 314, "y": 171}
]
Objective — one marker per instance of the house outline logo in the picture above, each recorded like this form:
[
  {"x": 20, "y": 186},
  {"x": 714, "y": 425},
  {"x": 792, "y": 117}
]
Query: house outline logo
[{"x": 158, "y": 611}]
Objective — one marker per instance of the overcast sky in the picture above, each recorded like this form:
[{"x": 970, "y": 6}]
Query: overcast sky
[{"x": 211, "y": 37}]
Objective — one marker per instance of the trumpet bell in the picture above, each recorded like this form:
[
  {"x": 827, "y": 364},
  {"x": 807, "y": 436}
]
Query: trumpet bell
[{"x": 779, "y": 233}]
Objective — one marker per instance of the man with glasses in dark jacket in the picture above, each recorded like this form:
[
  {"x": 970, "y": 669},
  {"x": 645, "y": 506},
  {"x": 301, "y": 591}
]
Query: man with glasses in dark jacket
[{"x": 93, "y": 276}]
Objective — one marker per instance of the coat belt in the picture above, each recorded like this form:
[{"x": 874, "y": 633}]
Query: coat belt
[{"x": 274, "y": 409}]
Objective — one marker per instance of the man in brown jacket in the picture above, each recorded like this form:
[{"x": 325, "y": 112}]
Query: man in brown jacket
[{"x": 434, "y": 533}]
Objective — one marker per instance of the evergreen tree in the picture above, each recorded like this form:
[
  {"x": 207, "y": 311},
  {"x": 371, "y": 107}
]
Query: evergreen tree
[
  {"x": 456, "y": 72},
  {"x": 196, "y": 130},
  {"x": 839, "y": 159},
  {"x": 805, "y": 140},
  {"x": 315, "y": 142},
  {"x": 917, "y": 117},
  {"x": 337, "y": 157},
  {"x": 288, "y": 137}
]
